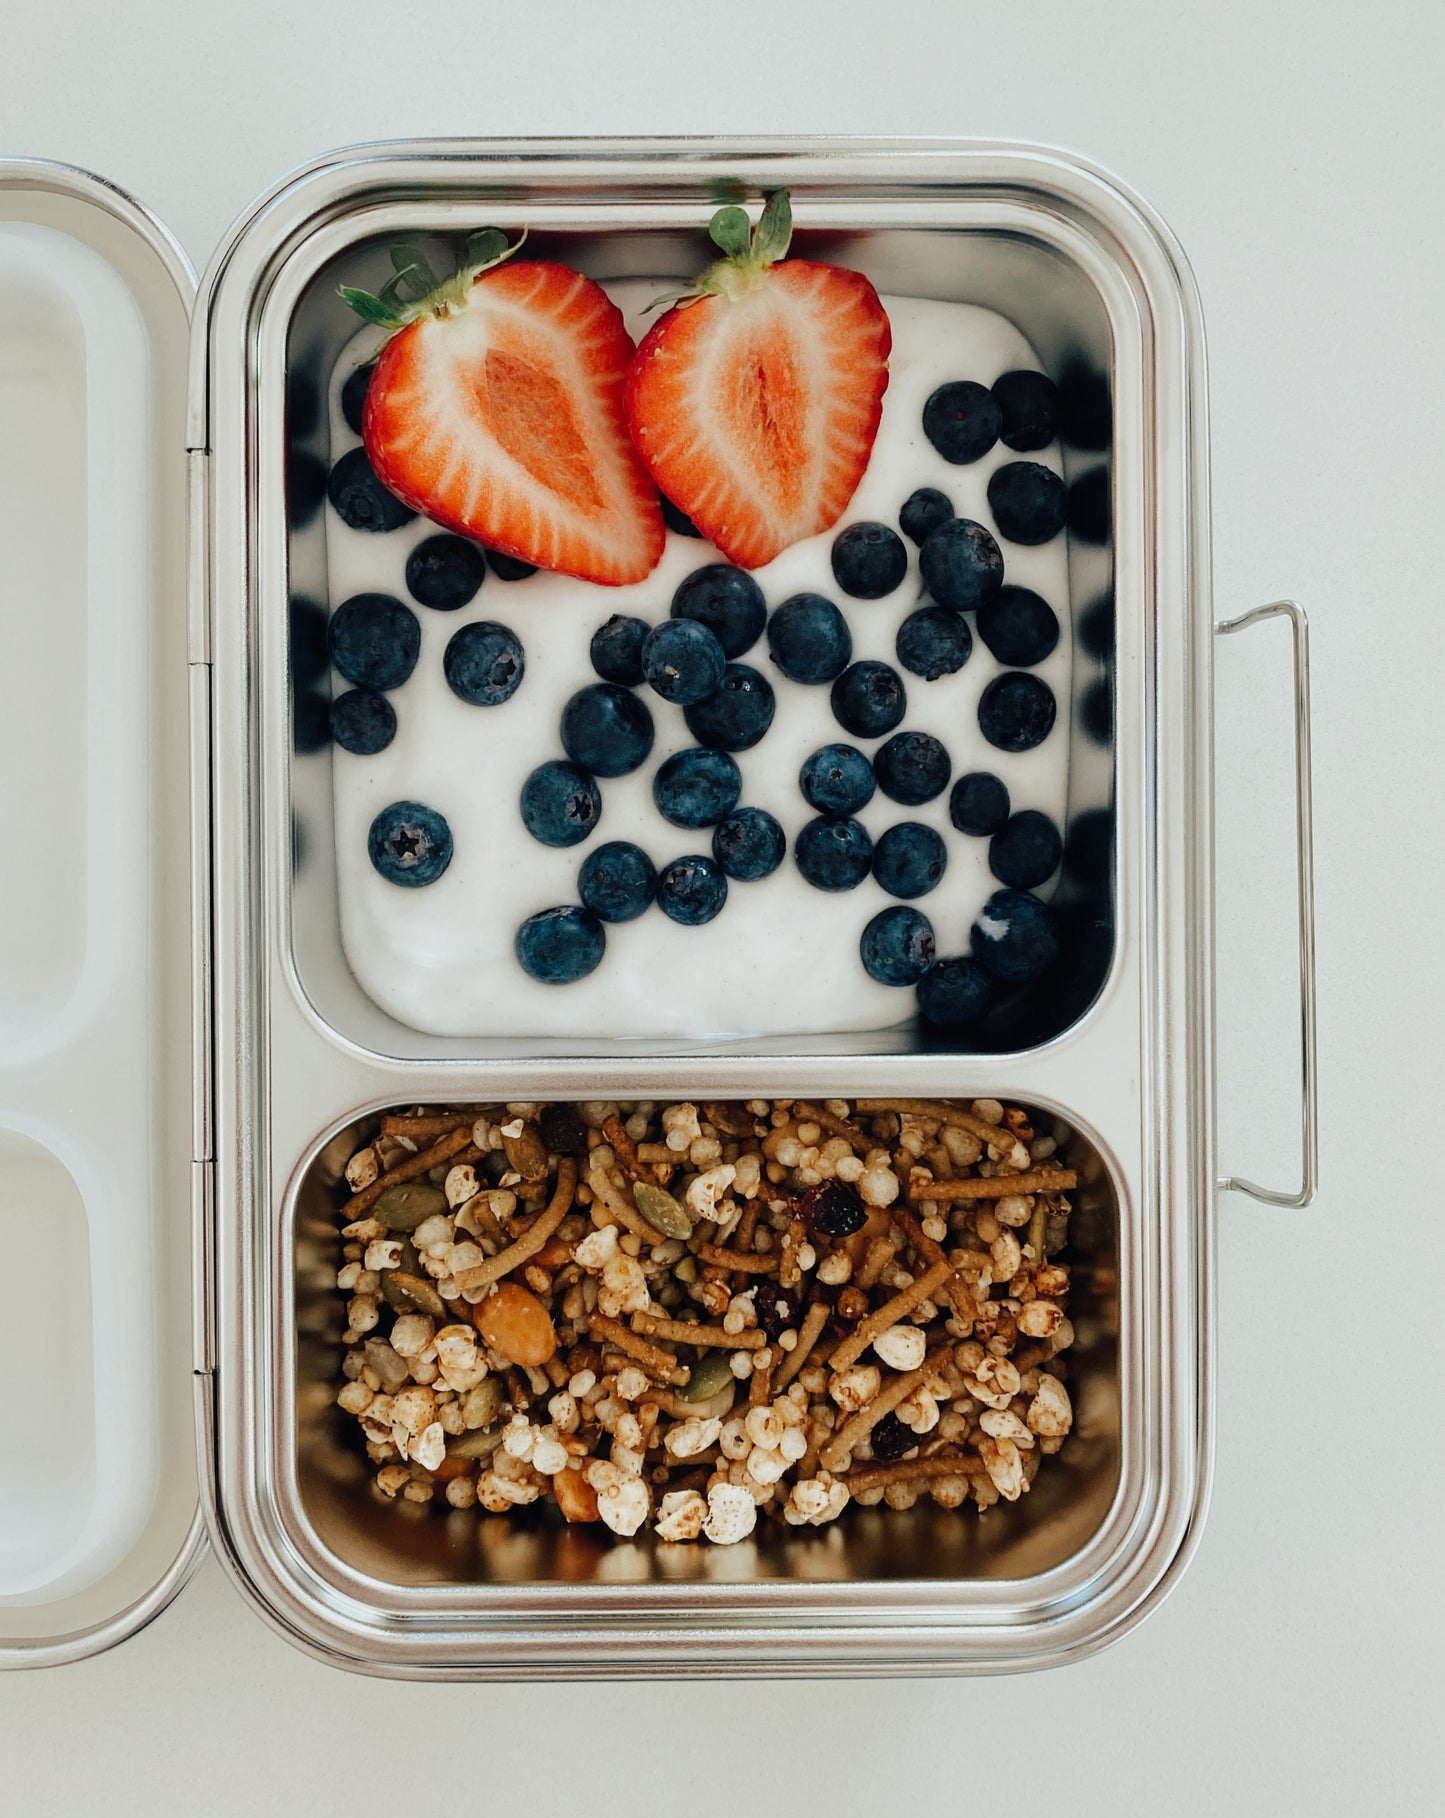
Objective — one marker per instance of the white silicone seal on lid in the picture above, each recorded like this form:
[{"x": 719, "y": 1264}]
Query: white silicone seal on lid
[{"x": 80, "y": 1422}]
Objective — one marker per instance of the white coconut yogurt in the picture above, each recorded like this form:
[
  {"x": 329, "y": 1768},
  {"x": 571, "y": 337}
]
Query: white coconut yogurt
[{"x": 782, "y": 957}]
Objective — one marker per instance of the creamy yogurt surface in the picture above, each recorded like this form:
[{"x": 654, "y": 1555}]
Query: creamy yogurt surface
[{"x": 782, "y": 957}]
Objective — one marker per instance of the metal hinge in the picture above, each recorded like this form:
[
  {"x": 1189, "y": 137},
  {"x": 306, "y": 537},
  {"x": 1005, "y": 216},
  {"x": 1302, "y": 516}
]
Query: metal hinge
[
  {"x": 203, "y": 1247},
  {"x": 198, "y": 589}
]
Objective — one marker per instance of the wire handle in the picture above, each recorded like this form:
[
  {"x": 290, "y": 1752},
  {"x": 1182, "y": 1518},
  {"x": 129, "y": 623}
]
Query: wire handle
[{"x": 1305, "y": 876}]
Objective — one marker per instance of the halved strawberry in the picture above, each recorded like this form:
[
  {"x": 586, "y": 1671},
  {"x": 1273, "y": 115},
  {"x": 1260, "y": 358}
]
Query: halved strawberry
[
  {"x": 497, "y": 410},
  {"x": 755, "y": 400}
]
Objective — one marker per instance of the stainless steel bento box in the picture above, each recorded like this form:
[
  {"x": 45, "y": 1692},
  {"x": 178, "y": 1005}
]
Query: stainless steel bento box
[
  {"x": 292, "y": 1060},
  {"x": 301, "y": 1055}
]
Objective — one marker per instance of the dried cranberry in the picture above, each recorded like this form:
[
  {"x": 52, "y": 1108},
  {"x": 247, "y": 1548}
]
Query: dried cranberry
[
  {"x": 890, "y": 1439},
  {"x": 777, "y": 1309},
  {"x": 562, "y": 1129},
  {"x": 834, "y": 1208}
]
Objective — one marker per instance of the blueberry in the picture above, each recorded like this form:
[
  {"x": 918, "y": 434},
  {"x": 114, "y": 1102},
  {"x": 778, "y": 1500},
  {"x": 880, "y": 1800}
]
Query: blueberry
[
  {"x": 410, "y": 844},
  {"x": 869, "y": 560},
  {"x": 809, "y": 640},
  {"x": 483, "y": 664},
  {"x": 374, "y": 640},
  {"x": 561, "y": 803},
  {"x": 953, "y": 992},
  {"x": 691, "y": 890},
  {"x": 979, "y": 803},
  {"x": 445, "y": 573},
  {"x": 676, "y": 518},
  {"x": 1086, "y": 417},
  {"x": 961, "y": 565},
  {"x": 833, "y": 1208},
  {"x": 912, "y": 767},
  {"x": 682, "y": 661},
  {"x": 353, "y": 395},
  {"x": 616, "y": 650},
  {"x": 617, "y": 881},
  {"x": 728, "y": 602},
  {"x": 1089, "y": 849},
  {"x": 696, "y": 788},
  {"x": 923, "y": 511},
  {"x": 868, "y": 700},
  {"x": 837, "y": 779},
  {"x": 309, "y": 655},
  {"x": 1096, "y": 711},
  {"x": 1018, "y": 627},
  {"x": 1013, "y": 938},
  {"x": 738, "y": 715},
  {"x": 310, "y": 722},
  {"x": 305, "y": 485},
  {"x": 962, "y": 420},
  {"x": 559, "y": 946},
  {"x": 833, "y": 854},
  {"x": 606, "y": 729},
  {"x": 891, "y": 1440},
  {"x": 1016, "y": 711},
  {"x": 1089, "y": 506},
  {"x": 509, "y": 568},
  {"x": 1029, "y": 406},
  {"x": 1029, "y": 502},
  {"x": 1025, "y": 851},
  {"x": 748, "y": 844},
  {"x": 363, "y": 722},
  {"x": 934, "y": 641},
  {"x": 897, "y": 946},
  {"x": 909, "y": 859},
  {"x": 360, "y": 498}
]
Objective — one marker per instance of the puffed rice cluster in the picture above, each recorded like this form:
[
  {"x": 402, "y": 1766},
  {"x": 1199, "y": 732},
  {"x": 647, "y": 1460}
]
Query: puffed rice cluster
[{"x": 879, "y": 1310}]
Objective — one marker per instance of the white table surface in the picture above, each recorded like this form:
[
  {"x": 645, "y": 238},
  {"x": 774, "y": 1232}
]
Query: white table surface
[{"x": 1296, "y": 147}]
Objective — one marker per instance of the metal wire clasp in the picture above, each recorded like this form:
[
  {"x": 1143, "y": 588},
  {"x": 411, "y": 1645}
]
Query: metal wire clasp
[{"x": 1305, "y": 874}]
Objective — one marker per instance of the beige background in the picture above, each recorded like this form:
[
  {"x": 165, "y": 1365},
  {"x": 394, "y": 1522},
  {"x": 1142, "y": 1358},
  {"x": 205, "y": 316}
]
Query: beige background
[{"x": 1297, "y": 149}]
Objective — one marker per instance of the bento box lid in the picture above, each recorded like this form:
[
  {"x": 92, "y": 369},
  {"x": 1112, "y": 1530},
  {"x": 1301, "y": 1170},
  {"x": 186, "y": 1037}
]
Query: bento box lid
[{"x": 99, "y": 1156}]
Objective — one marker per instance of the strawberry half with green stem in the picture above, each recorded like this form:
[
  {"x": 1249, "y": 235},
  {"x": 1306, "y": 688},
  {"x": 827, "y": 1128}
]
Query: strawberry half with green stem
[
  {"x": 497, "y": 409},
  {"x": 755, "y": 400}
]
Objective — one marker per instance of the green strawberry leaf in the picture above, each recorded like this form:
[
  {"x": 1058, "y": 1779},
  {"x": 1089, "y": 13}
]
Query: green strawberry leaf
[
  {"x": 731, "y": 230},
  {"x": 486, "y": 246},
  {"x": 390, "y": 292},
  {"x": 774, "y": 230},
  {"x": 405, "y": 259},
  {"x": 370, "y": 308}
]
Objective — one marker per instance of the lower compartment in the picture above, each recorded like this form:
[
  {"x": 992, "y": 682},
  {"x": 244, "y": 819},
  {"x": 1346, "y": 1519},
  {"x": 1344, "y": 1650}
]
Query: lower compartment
[{"x": 450, "y": 1555}]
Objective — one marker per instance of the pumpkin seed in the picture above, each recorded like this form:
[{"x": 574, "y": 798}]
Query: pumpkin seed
[
  {"x": 403, "y": 1207},
  {"x": 409, "y": 1264},
  {"x": 711, "y": 1374},
  {"x": 481, "y": 1405},
  {"x": 661, "y": 1210},
  {"x": 417, "y": 1295},
  {"x": 480, "y": 1444}
]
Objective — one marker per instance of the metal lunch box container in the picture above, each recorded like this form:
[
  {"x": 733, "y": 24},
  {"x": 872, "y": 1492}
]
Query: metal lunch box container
[{"x": 288, "y": 1059}]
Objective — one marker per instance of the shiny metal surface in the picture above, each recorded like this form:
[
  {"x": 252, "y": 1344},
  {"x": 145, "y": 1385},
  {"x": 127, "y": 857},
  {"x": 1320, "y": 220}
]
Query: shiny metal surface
[
  {"x": 300, "y": 1056},
  {"x": 1305, "y": 888},
  {"x": 103, "y": 217}
]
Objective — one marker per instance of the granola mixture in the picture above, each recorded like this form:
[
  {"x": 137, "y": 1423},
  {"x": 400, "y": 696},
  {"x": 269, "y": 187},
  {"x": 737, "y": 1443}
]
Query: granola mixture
[{"x": 682, "y": 1314}]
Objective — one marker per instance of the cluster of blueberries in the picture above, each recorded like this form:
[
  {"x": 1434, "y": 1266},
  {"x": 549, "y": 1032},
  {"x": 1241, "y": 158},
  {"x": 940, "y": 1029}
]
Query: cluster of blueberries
[{"x": 691, "y": 661}]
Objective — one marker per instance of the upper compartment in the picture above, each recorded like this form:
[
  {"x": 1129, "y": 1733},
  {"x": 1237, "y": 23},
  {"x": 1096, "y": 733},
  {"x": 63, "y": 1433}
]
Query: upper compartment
[{"x": 410, "y": 975}]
